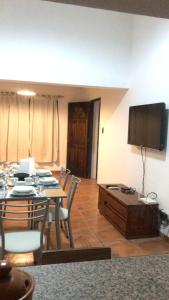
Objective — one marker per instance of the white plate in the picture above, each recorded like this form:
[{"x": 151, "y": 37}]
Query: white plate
[
  {"x": 22, "y": 195},
  {"x": 43, "y": 172},
  {"x": 23, "y": 183},
  {"x": 29, "y": 183},
  {"x": 48, "y": 180},
  {"x": 23, "y": 189}
]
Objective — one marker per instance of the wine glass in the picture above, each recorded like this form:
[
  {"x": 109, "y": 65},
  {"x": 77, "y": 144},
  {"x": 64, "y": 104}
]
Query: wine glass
[
  {"x": 40, "y": 189},
  {"x": 36, "y": 180}
]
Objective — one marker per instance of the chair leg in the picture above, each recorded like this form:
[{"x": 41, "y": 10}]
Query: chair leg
[
  {"x": 66, "y": 231},
  {"x": 29, "y": 215},
  {"x": 40, "y": 258},
  {"x": 35, "y": 225},
  {"x": 37, "y": 257},
  {"x": 2, "y": 253},
  {"x": 4, "y": 209},
  {"x": 70, "y": 234},
  {"x": 48, "y": 236},
  {"x": 61, "y": 224}
]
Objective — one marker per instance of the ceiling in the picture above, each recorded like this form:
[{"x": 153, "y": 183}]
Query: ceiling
[
  {"x": 155, "y": 8},
  {"x": 62, "y": 91}
]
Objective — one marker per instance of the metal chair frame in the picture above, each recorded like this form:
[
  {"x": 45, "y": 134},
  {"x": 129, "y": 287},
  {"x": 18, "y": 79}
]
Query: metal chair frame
[
  {"x": 8, "y": 212},
  {"x": 63, "y": 177},
  {"x": 74, "y": 182}
]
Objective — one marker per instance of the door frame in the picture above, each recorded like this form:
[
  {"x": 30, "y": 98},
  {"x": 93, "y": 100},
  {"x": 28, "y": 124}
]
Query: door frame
[
  {"x": 98, "y": 133},
  {"x": 90, "y": 136}
]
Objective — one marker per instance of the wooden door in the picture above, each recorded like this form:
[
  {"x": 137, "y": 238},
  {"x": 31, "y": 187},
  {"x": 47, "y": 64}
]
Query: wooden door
[{"x": 79, "y": 146}]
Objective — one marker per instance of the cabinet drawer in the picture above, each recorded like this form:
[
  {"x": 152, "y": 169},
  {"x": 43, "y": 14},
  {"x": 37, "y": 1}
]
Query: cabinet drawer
[
  {"x": 114, "y": 204},
  {"x": 115, "y": 219}
]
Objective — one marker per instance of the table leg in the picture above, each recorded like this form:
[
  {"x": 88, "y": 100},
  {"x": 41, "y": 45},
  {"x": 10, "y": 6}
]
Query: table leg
[{"x": 57, "y": 224}]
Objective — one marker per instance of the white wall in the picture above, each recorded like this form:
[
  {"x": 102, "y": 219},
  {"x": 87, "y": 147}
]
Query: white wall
[
  {"x": 43, "y": 41},
  {"x": 150, "y": 75}
]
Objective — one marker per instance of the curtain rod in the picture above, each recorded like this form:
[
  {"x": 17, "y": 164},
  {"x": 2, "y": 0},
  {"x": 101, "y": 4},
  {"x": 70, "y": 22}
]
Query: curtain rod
[{"x": 39, "y": 95}]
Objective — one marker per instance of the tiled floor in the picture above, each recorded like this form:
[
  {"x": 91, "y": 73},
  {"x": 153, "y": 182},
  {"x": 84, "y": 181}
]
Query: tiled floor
[{"x": 90, "y": 229}]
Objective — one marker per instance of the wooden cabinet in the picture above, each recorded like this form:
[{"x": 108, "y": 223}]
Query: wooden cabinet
[{"x": 131, "y": 217}]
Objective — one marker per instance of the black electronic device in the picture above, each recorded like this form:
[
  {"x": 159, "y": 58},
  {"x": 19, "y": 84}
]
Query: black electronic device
[
  {"x": 147, "y": 126},
  {"x": 127, "y": 190}
]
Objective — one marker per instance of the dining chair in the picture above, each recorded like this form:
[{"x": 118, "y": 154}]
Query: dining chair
[
  {"x": 65, "y": 212},
  {"x": 23, "y": 241},
  {"x": 63, "y": 177},
  {"x": 63, "y": 180},
  {"x": 75, "y": 255}
]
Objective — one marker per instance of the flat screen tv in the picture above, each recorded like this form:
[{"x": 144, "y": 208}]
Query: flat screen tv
[{"x": 147, "y": 126}]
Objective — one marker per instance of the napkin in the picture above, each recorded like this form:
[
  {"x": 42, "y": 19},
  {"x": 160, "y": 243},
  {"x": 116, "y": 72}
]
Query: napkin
[{"x": 27, "y": 165}]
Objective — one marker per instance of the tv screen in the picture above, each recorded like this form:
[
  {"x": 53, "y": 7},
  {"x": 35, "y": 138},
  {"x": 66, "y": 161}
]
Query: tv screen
[{"x": 147, "y": 126}]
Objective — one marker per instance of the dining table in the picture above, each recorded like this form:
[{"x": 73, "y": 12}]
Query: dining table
[{"x": 53, "y": 194}]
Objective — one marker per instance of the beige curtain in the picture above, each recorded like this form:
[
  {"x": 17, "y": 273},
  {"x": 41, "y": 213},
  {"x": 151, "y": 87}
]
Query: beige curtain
[
  {"x": 14, "y": 127},
  {"x": 44, "y": 129},
  {"x": 4, "y": 115},
  {"x": 28, "y": 127}
]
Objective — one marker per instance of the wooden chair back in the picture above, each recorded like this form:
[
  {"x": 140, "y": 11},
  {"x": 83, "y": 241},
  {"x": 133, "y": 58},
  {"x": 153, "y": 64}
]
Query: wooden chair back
[{"x": 75, "y": 255}]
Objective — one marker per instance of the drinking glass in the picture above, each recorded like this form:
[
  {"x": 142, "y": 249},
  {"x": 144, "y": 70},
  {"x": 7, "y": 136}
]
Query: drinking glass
[
  {"x": 3, "y": 192},
  {"x": 14, "y": 180},
  {"x": 36, "y": 180},
  {"x": 40, "y": 189}
]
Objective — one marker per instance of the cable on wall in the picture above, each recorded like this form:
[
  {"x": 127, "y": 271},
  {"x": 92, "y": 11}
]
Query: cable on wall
[
  {"x": 29, "y": 150},
  {"x": 143, "y": 157}
]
